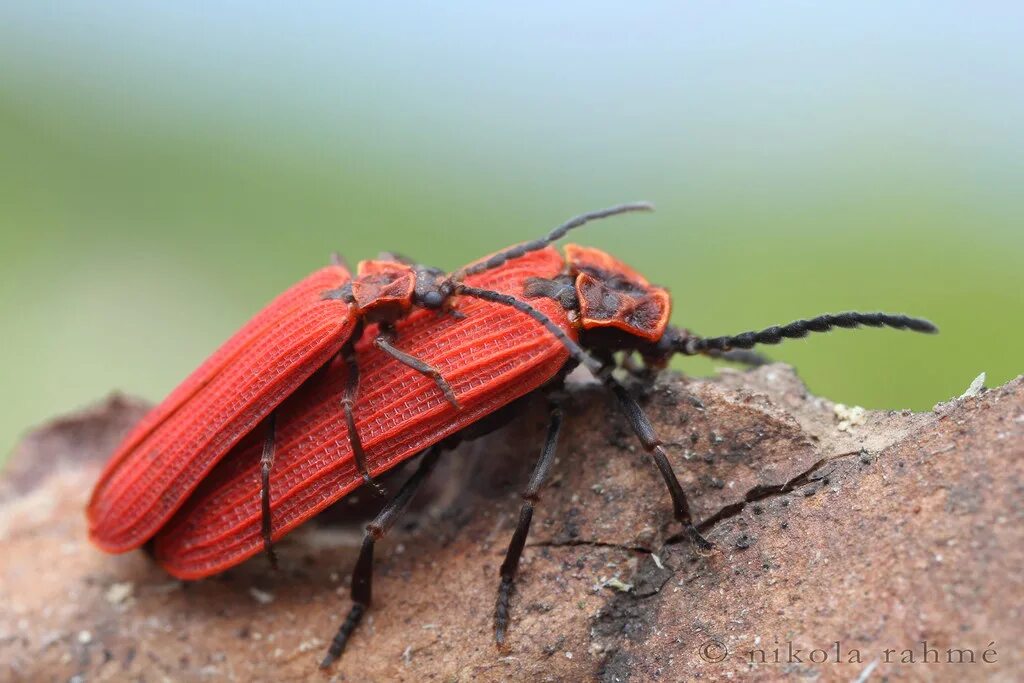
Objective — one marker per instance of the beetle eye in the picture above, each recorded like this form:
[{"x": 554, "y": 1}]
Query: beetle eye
[{"x": 433, "y": 299}]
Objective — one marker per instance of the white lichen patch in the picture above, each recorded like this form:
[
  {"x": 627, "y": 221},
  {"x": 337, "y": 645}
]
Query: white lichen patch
[
  {"x": 849, "y": 416},
  {"x": 618, "y": 584},
  {"x": 309, "y": 645},
  {"x": 119, "y": 592},
  {"x": 977, "y": 386}
]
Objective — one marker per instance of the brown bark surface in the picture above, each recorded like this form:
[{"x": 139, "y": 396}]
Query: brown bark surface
[{"x": 872, "y": 535}]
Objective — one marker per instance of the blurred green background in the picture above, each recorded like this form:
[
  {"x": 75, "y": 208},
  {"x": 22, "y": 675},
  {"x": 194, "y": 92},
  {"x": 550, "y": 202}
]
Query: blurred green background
[{"x": 165, "y": 170}]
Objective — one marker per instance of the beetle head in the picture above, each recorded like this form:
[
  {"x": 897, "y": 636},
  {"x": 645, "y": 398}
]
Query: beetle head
[{"x": 433, "y": 288}]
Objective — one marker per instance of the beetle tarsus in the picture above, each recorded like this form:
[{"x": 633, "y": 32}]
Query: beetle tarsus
[
  {"x": 697, "y": 539},
  {"x": 501, "y": 611},
  {"x": 362, "y": 574},
  {"x": 644, "y": 431},
  {"x": 518, "y": 542},
  {"x": 337, "y": 646}
]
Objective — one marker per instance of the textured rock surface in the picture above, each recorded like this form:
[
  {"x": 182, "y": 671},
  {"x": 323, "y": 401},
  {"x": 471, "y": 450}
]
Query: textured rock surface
[{"x": 876, "y": 533}]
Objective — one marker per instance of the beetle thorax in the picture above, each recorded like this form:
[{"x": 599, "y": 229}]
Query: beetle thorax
[
  {"x": 383, "y": 290},
  {"x": 613, "y": 295}
]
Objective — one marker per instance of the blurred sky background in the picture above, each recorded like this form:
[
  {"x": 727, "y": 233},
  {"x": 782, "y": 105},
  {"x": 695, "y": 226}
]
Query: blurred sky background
[{"x": 167, "y": 168}]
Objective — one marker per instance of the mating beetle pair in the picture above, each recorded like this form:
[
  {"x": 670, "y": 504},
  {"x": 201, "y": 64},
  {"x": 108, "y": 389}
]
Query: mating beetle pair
[{"x": 257, "y": 441}]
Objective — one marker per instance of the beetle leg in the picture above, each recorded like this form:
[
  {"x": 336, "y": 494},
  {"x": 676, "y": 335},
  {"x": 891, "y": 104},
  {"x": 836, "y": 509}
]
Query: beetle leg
[
  {"x": 384, "y": 343},
  {"x": 266, "y": 462},
  {"x": 634, "y": 413},
  {"x": 640, "y": 368},
  {"x": 338, "y": 260},
  {"x": 362, "y": 575},
  {"x": 348, "y": 403},
  {"x": 644, "y": 430},
  {"x": 396, "y": 257},
  {"x": 518, "y": 542}
]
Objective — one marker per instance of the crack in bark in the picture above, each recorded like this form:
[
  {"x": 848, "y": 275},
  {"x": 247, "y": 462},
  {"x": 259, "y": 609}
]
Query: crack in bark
[
  {"x": 760, "y": 493},
  {"x": 754, "y": 495}
]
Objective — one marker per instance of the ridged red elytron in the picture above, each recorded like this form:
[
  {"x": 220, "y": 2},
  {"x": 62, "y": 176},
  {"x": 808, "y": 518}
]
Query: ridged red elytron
[
  {"x": 173, "y": 447},
  {"x": 491, "y": 357}
]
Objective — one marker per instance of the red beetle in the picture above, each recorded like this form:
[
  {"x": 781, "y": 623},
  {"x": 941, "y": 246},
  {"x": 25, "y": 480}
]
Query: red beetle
[
  {"x": 494, "y": 355},
  {"x": 165, "y": 457}
]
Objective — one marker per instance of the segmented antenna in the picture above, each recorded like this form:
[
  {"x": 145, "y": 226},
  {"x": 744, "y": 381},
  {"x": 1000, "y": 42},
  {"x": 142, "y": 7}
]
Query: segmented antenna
[
  {"x": 558, "y": 233},
  {"x": 801, "y": 328}
]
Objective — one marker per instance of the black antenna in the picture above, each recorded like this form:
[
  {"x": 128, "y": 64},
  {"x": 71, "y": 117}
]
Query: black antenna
[
  {"x": 801, "y": 328},
  {"x": 558, "y": 233}
]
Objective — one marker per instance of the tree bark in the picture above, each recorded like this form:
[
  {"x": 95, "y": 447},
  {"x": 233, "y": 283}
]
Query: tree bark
[{"x": 848, "y": 546}]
